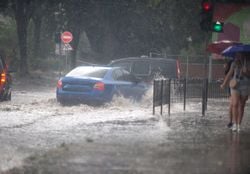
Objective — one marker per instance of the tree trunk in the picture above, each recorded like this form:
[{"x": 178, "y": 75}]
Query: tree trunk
[
  {"x": 36, "y": 41},
  {"x": 22, "y": 23}
]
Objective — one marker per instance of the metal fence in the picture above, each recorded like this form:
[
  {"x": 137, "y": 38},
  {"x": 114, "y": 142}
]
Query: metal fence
[
  {"x": 169, "y": 91},
  {"x": 199, "y": 66}
]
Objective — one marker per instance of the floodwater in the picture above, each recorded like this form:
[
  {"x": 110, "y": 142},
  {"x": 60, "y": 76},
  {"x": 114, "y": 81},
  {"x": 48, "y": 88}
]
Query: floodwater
[
  {"x": 38, "y": 135},
  {"x": 33, "y": 121}
]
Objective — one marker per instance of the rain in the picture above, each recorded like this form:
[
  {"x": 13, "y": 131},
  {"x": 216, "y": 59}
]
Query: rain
[{"x": 41, "y": 41}]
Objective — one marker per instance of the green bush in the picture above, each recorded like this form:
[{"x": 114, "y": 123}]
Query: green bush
[{"x": 54, "y": 64}]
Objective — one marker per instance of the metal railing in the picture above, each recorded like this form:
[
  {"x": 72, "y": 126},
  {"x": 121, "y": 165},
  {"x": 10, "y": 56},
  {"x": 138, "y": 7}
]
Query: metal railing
[{"x": 169, "y": 91}]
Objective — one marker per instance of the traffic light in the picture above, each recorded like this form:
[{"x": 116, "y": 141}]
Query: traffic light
[
  {"x": 206, "y": 22},
  {"x": 217, "y": 26},
  {"x": 206, "y": 15},
  {"x": 207, "y": 5}
]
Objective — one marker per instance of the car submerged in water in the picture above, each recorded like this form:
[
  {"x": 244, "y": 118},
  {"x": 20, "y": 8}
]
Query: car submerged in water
[{"x": 98, "y": 85}]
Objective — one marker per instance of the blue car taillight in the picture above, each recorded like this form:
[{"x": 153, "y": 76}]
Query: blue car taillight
[
  {"x": 99, "y": 86},
  {"x": 59, "y": 84}
]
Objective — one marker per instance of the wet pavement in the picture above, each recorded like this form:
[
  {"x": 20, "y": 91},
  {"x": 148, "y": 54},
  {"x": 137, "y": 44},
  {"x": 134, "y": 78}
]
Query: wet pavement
[
  {"x": 181, "y": 143},
  {"x": 38, "y": 135}
]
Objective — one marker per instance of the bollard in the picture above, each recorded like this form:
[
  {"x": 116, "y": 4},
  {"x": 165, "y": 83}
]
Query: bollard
[
  {"x": 184, "y": 93},
  {"x": 169, "y": 95},
  {"x": 204, "y": 96},
  {"x": 161, "y": 95},
  {"x": 154, "y": 88}
]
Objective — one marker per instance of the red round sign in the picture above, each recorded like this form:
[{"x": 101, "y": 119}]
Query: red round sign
[{"x": 66, "y": 37}]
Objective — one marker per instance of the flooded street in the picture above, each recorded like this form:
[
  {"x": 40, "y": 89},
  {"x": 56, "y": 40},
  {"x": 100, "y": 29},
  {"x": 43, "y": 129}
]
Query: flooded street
[
  {"x": 136, "y": 55},
  {"x": 38, "y": 135},
  {"x": 34, "y": 122}
]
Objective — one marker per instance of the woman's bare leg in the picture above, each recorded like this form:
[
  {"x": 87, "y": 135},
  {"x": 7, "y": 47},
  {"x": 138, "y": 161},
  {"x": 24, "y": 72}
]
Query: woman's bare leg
[
  {"x": 235, "y": 101},
  {"x": 230, "y": 110},
  {"x": 243, "y": 100}
]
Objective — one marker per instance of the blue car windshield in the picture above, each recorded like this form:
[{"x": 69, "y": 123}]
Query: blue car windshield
[{"x": 88, "y": 72}]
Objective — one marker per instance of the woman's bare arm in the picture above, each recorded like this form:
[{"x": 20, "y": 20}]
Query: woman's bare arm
[{"x": 227, "y": 77}]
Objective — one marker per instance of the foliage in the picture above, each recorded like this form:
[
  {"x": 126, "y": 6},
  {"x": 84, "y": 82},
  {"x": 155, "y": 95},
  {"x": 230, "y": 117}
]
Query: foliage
[
  {"x": 8, "y": 39},
  {"x": 114, "y": 28}
]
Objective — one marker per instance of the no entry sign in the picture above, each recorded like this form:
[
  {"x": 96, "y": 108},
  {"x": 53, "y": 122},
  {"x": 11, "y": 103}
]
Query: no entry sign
[{"x": 66, "y": 37}]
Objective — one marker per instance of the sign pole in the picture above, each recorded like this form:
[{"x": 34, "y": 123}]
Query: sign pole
[
  {"x": 66, "y": 56},
  {"x": 66, "y": 38},
  {"x": 60, "y": 56}
]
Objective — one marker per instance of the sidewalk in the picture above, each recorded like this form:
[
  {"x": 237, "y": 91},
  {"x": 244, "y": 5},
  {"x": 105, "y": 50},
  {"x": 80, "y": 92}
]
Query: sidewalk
[{"x": 183, "y": 143}]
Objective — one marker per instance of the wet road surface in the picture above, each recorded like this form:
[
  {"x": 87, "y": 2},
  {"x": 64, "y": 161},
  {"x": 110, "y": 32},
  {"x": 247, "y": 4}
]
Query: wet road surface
[{"x": 38, "y": 135}]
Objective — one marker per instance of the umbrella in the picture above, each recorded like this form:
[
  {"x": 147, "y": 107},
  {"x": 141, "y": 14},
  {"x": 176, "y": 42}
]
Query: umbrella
[
  {"x": 218, "y": 46},
  {"x": 232, "y": 50}
]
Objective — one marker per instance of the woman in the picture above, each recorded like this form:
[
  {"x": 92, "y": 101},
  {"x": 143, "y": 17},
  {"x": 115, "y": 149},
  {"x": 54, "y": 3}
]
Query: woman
[
  {"x": 239, "y": 94},
  {"x": 245, "y": 81}
]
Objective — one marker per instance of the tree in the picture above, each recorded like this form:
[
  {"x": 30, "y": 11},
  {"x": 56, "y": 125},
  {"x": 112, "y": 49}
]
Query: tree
[
  {"x": 75, "y": 11},
  {"x": 8, "y": 41},
  {"x": 115, "y": 28},
  {"x": 37, "y": 20},
  {"x": 23, "y": 11}
]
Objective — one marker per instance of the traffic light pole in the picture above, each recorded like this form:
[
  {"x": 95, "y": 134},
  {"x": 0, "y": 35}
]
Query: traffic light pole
[
  {"x": 206, "y": 75},
  {"x": 208, "y": 61}
]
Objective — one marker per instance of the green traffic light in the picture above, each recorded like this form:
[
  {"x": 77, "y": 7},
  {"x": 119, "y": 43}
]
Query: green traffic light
[{"x": 218, "y": 26}]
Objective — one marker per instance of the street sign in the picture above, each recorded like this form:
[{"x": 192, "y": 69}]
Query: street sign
[
  {"x": 67, "y": 47},
  {"x": 66, "y": 37}
]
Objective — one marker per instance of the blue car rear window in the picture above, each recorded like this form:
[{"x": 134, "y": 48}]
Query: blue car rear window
[{"x": 88, "y": 72}]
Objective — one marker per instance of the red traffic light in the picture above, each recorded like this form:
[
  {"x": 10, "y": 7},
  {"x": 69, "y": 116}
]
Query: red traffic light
[
  {"x": 206, "y": 15},
  {"x": 207, "y": 6}
]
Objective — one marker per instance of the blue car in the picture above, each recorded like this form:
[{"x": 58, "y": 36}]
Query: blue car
[{"x": 98, "y": 85}]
